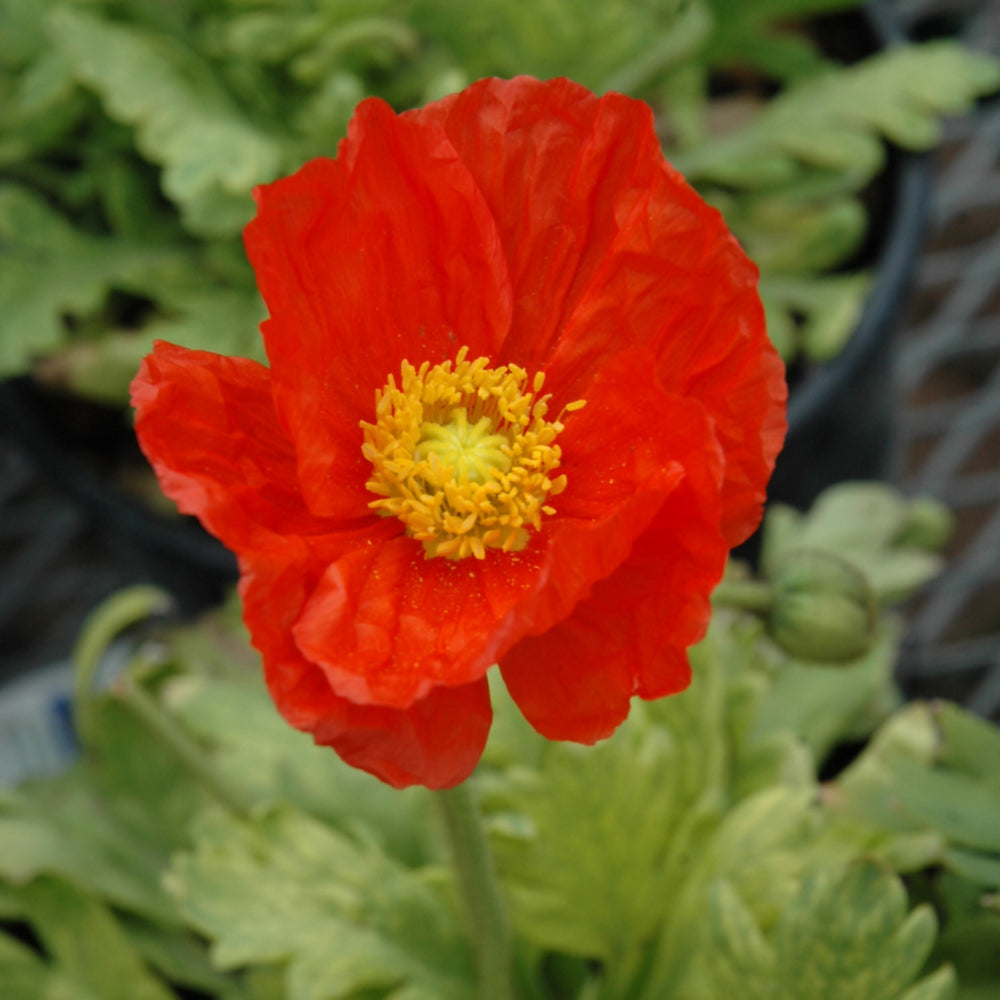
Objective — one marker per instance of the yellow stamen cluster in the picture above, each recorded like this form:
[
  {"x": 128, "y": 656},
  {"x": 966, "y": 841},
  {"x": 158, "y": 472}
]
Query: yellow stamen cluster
[{"x": 462, "y": 455}]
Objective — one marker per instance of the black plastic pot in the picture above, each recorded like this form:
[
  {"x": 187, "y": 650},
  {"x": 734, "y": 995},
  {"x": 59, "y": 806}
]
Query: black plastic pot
[
  {"x": 840, "y": 414},
  {"x": 171, "y": 551}
]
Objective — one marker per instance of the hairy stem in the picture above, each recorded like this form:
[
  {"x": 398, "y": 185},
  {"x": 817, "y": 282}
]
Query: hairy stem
[{"x": 480, "y": 892}]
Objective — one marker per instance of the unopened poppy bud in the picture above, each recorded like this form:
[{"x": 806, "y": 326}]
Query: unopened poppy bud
[
  {"x": 929, "y": 524},
  {"x": 824, "y": 608}
]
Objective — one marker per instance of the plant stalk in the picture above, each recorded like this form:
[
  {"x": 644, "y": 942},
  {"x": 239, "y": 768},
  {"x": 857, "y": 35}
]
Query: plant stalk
[
  {"x": 480, "y": 891},
  {"x": 744, "y": 595},
  {"x": 188, "y": 753}
]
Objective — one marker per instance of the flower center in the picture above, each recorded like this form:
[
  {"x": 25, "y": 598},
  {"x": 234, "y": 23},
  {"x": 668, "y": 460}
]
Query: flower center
[{"x": 462, "y": 455}]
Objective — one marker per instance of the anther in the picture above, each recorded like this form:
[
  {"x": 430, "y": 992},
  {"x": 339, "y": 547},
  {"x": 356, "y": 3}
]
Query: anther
[{"x": 462, "y": 455}]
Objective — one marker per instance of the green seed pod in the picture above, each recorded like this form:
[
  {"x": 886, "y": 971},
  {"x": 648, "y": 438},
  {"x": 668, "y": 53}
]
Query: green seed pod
[{"x": 824, "y": 610}]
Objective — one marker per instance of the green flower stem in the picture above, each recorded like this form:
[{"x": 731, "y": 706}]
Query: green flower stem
[
  {"x": 744, "y": 595},
  {"x": 190, "y": 754},
  {"x": 480, "y": 891},
  {"x": 104, "y": 625}
]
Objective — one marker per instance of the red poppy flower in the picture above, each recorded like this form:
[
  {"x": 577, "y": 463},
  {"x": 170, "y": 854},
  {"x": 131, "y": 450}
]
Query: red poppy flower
[{"x": 520, "y": 404}]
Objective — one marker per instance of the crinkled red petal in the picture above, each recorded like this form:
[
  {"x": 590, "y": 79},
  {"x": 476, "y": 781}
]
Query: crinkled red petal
[
  {"x": 568, "y": 683},
  {"x": 538, "y": 225},
  {"x": 608, "y": 246},
  {"x": 436, "y": 742},
  {"x": 630, "y": 635},
  {"x": 388, "y": 625},
  {"x": 742, "y": 385},
  {"x": 385, "y": 254},
  {"x": 208, "y": 427},
  {"x": 561, "y": 171}
]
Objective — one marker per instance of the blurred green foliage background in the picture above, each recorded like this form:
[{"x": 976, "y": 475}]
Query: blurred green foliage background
[{"x": 133, "y": 131}]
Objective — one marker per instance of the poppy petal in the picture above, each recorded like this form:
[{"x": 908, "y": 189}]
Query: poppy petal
[
  {"x": 538, "y": 225},
  {"x": 630, "y": 635},
  {"x": 208, "y": 427},
  {"x": 568, "y": 683},
  {"x": 436, "y": 742},
  {"x": 385, "y": 254},
  {"x": 608, "y": 245},
  {"x": 746, "y": 393},
  {"x": 559, "y": 168},
  {"x": 388, "y": 625}
]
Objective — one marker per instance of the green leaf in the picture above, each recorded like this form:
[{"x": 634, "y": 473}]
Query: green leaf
[
  {"x": 598, "y": 44},
  {"x": 763, "y": 847},
  {"x": 23, "y": 32},
  {"x": 781, "y": 327},
  {"x": 270, "y": 36},
  {"x": 594, "y": 888},
  {"x": 775, "y": 758},
  {"x": 324, "y": 114},
  {"x": 969, "y": 744},
  {"x": 866, "y": 788},
  {"x": 852, "y": 929},
  {"x": 106, "y": 623},
  {"x": 864, "y": 523},
  {"x": 88, "y": 956},
  {"x": 512, "y": 740},
  {"x": 822, "y": 311},
  {"x": 784, "y": 235},
  {"x": 49, "y": 270},
  {"x": 938, "y": 985},
  {"x": 845, "y": 935},
  {"x": 109, "y": 824},
  {"x": 344, "y": 917},
  {"x": 838, "y": 120},
  {"x": 751, "y": 915},
  {"x": 225, "y": 321},
  {"x": 974, "y": 866},
  {"x": 910, "y": 779},
  {"x": 212, "y": 153},
  {"x": 970, "y": 935},
  {"x": 11, "y": 907},
  {"x": 851, "y": 516},
  {"x": 744, "y": 35},
  {"x": 784, "y": 56},
  {"x": 673, "y": 50},
  {"x": 85, "y": 941},
  {"x": 824, "y": 706},
  {"x": 381, "y": 39},
  {"x": 60, "y": 828},
  {"x": 137, "y": 781},
  {"x": 178, "y": 956},
  {"x": 606, "y": 852},
  {"x": 42, "y": 108},
  {"x": 25, "y": 976},
  {"x": 592, "y": 841},
  {"x": 268, "y": 761},
  {"x": 956, "y": 804},
  {"x": 741, "y": 945}
]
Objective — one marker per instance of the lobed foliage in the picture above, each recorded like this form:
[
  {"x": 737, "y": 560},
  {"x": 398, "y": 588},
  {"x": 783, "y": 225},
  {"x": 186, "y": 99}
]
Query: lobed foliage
[
  {"x": 694, "y": 854},
  {"x": 132, "y": 134}
]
